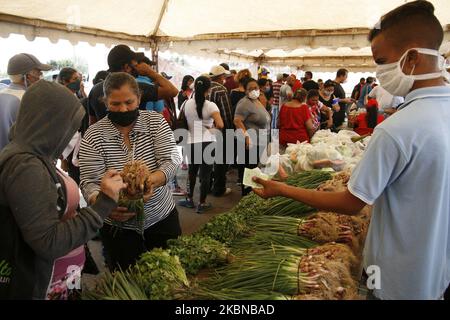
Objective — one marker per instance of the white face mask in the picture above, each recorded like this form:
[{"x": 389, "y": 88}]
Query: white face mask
[
  {"x": 254, "y": 94},
  {"x": 397, "y": 83}
]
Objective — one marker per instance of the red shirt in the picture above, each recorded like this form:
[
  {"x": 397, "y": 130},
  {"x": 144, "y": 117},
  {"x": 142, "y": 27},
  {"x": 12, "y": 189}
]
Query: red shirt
[
  {"x": 293, "y": 124},
  {"x": 362, "y": 126},
  {"x": 230, "y": 84}
]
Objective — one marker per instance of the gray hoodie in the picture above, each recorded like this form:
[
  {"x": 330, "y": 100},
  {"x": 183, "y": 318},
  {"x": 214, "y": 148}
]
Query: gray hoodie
[{"x": 48, "y": 117}]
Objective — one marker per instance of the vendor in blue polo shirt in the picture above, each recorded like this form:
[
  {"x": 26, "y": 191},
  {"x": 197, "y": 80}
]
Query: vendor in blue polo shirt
[{"x": 405, "y": 172}]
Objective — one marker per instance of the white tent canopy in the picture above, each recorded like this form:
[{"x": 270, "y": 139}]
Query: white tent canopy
[{"x": 264, "y": 30}]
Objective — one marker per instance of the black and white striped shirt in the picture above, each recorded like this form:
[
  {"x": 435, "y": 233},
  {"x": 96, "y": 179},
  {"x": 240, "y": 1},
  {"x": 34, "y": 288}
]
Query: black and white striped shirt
[{"x": 152, "y": 140}]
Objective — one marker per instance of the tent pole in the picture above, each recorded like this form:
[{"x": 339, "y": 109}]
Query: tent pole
[{"x": 155, "y": 54}]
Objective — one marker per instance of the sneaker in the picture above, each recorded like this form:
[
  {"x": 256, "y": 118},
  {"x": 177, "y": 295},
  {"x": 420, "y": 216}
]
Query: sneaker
[
  {"x": 202, "y": 207},
  {"x": 186, "y": 203},
  {"x": 227, "y": 192},
  {"x": 178, "y": 192}
]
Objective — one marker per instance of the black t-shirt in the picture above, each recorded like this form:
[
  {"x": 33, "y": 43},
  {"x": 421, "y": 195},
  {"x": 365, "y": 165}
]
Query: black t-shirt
[
  {"x": 97, "y": 107},
  {"x": 339, "y": 117},
  {"x": 310, "y": 84},
  {"x": 85, "y": 122},
  {"x": 235, "y": 97}
]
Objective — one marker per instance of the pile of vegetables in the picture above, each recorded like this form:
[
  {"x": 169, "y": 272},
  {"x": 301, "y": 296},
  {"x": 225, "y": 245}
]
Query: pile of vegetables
[
  {"x": 160, "y": 274},
  {"x": 322, "y": 272},
  {"x": 156, "y": 276},
  {"x": 260, "y": 250},
  {"x": 325, "y": 227},
  {"x": 337, "y": 151},
  {"x": 273, "y": 269},
  {"x": 116, "y": 286},
  {"x": 287, "y": 207},
  {"x": 198, "y": 252},
  {"x": 225, "y": 227},
  {"x": 334, "y": 269}
]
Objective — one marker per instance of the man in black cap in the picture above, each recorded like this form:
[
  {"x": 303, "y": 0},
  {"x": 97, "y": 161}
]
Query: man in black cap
[{"x": 122, "y": 59}]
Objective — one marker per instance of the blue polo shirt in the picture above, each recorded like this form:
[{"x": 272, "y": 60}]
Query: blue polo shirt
[
  {"x": 10, "y": 98},
  {"x": 157, "y": 106},
  {"x": 405, "y": 174}
]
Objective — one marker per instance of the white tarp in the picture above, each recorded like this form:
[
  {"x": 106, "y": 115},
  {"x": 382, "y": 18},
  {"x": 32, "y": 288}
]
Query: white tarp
[{"x": 185, "y": 18}]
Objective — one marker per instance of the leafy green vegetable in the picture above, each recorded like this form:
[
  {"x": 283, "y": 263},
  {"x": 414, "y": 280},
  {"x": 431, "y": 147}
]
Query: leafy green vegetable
[
  {"x": 197, "y": 252},
  {"x": 160, "y": 274}
]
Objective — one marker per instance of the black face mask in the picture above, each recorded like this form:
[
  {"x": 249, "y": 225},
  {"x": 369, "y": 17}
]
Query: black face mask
[{"x": 123, "y": 119}]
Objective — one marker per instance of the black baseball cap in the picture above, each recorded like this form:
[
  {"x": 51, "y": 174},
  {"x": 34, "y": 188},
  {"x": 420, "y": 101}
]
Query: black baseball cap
[
  {"x": 141, "y": 57},
  {"x": 119, "y": 56}
]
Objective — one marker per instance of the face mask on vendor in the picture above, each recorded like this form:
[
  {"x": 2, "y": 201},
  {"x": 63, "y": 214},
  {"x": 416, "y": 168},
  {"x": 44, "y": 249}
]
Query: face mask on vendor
[{"x": 123, "y": 106}]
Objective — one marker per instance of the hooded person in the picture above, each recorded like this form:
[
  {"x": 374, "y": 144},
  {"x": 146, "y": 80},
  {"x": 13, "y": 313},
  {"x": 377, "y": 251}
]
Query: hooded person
[{"x": 40, "y": 202}]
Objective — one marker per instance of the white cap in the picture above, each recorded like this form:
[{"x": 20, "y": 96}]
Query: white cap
[{"x": 217, "y": 71}]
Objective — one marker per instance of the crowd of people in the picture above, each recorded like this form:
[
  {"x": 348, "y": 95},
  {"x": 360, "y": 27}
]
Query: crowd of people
[{"x": 131, "y": 114}]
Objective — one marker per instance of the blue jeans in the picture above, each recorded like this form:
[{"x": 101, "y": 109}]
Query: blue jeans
[{"x": 275, "y": 114}]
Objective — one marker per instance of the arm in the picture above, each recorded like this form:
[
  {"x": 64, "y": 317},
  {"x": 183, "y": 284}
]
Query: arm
[
  {"x": 330, "y": 118},
  {"x": 326, "y": 110},
  {"x": 375, "y": 172},
  {"x": 347, "y": 100},
  {"x": 92, "y": 168},
  {"x": 166, "y": 89},
  {"x": 166, "y": 154},
  {"x": 341, "y": 202},
  {"x": 239, "y": 124},
  {"x": 310, "y": 128},
  {"x": 38, "y": 218},
  {"x": 217, "y": 120}
]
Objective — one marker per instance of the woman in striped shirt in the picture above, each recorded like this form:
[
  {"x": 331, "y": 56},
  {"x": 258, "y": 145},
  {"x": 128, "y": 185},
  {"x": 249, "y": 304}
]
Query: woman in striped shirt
[{"x": 130, "y": 134}]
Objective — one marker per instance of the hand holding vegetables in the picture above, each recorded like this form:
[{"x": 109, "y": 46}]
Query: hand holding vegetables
[
  {"x": 137, "y": 176},
  {"x": 112, "y": 184},
  {"x": 270, "y": 188},
  {"x": 121, "y": 214},
  {"x": 139, "y": 190}
]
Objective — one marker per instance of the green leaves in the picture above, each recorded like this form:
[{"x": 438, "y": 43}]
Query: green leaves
[
  {"x": 160, "y": 274},
  {"x": 197, "y": 252}
]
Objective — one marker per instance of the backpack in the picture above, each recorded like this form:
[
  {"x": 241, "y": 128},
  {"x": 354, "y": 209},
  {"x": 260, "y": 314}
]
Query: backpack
[
  {"x": 181, "y": 121},
  {"x": 17, "y": 259}
]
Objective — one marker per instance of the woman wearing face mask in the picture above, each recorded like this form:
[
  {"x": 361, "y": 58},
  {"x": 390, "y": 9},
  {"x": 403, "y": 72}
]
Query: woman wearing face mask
[
  {"x": 70, "y": 78},
  {"x": 187, "y": 87},
  {"x": 328, "y": 99},
  {"x": 201, "y": 116},
  {"x": 127, "y": 134},
  {"x": 40, "y": 202},
  {"x": 295, "y": 120},
  {"x": 251, "y": 115}
]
